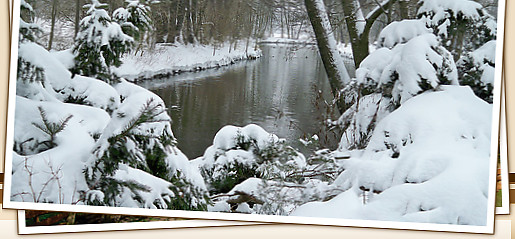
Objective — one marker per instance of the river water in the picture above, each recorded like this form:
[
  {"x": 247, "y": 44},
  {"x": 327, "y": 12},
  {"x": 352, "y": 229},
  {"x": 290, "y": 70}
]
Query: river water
[{"x": 284, "y": 92}]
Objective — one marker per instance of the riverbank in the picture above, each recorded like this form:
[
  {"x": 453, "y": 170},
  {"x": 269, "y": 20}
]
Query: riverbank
[{"x": 167, "y": 60}]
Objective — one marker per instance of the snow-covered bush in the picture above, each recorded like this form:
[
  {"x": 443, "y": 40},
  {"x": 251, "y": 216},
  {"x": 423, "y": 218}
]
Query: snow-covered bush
[
  {"x": 139, "y": 135},
  {"x": 401, "y": 32},
  {"x": 389, "y": 77},
  {"x": 477, "y": 70},
  {"x": 241, "y": 153},
  {"x": 134, "y": 19},
  {"x": 462, "y": 25},
  {"x": 251, "y": 171},
  {"x": 100, "y": 43},
  {"x": 419, "y": 163}
]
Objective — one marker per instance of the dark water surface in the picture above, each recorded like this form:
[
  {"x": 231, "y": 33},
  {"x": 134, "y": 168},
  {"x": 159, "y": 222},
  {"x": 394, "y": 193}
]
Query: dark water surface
[{"x": 279, "y": 92}]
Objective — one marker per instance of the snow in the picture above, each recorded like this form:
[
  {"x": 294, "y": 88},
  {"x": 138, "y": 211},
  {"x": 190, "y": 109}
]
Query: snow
[
  {"x": 485, "y": 53},
  {"x": 226, "y": 147},
  {"x": 484, "y": 57},
  {"x": 401, "y": 32},
  {"x": 65, "y": 160},
  {"x": 438, "y": 12},
  {"x": 439, "y": 8},
  {"x": 360, "y": 119},
  {"x": 156, "y": 189},
  {"x": 419, "y": 164},
  {"x": 168, "y": 59},
  {"x": 420, "y": 59}
]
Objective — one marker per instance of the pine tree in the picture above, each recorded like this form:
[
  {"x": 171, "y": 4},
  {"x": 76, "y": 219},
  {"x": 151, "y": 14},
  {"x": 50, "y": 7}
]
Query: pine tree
[
  {"x": 134, "y": 19},
  {"x": 141, "y": 139},
  {"x": 99, "y": 44}
]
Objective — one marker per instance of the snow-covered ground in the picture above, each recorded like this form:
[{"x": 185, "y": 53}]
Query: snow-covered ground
[{"x": 167, "y": 59}]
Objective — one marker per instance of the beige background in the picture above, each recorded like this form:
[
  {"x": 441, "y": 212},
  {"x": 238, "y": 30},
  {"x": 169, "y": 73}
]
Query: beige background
[{"x": 504, "y": 224}]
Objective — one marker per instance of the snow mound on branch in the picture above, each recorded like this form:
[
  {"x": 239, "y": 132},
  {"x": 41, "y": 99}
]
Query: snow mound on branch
[
  {"x": 484, "y": 57},
  {"x": 401, "y": 32},
  {"x": 56, "y": 75},
  {"x": 418, "y": 65},
  {"x": 419, "y": 164},
  {"x": 442, "y": 9},
  {"x": 485, "y": 54},
  {"x": 439, "y": 12},
  {"x": 158, "y": 189},
  {"x": 59, "y": 86}
]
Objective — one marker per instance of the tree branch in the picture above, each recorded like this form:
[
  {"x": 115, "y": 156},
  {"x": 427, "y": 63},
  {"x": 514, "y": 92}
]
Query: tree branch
[{"x": 378, "y": 11}]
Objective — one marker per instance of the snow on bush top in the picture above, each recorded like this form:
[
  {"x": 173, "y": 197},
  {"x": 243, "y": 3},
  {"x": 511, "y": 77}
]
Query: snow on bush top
[
  {"x": 485, "y": 53},
  {"x": 61, "y": 86},
  {"x": 418, "y": 65},
  {"x": 100, "y": 24},
  {"x": 426, "y": 162},
  {"x": 440, "y": 11},
  {"x": 239, "y": 153},
  {"x": 401, "y": 32}
]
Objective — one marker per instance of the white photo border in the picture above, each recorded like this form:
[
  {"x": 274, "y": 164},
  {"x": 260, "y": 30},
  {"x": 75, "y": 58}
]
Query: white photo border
[
  {"x": 503, "y": 147},
  {"x": 486, "y": 229}
]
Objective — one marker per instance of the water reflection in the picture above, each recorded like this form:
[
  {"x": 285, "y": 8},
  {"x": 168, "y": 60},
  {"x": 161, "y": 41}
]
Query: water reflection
[{"x": 279, "y": 92}]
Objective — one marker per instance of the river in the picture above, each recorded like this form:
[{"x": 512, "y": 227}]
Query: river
[{"x": 284, "y": 92}]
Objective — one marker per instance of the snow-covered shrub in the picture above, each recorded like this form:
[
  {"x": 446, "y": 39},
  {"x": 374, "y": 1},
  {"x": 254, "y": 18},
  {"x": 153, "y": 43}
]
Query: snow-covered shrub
[
  {"x": 477, "y": 70},
  {"x": 462, "y": 25},
  {"x": 241, "y": 153},
  {"x": 134, "y": 19},
  {"x": 389, "y": 77},
  {"x": 100, "y": 43},
  {"x": 139, "y": 135},
  {"x": 400, "y": 32},
  {"x": 419, "y": 163},
  {"x": 251, "y": 171},
  {"x": 52, "y": 174}
]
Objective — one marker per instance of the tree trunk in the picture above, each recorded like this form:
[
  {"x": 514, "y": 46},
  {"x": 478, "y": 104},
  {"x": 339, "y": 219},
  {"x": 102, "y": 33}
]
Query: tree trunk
[
  {"x": 333, "y": 63},
  {"x": 190, "y": 37},
  {"x": 78, "y": 7},
  {"x": 357, "y": 40},
  {"x": 52, "y": 26},
  {"x": 359, "y": 34}
]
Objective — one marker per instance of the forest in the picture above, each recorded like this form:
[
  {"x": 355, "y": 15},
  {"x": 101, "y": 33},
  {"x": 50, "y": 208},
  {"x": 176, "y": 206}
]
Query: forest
[{"x": 358, "y": 109}]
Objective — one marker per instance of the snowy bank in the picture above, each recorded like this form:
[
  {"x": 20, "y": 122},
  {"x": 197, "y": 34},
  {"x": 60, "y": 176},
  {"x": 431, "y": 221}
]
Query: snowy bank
[
  {"x": 166, "y": 60},
  {"x": 419, "y": 164}
]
